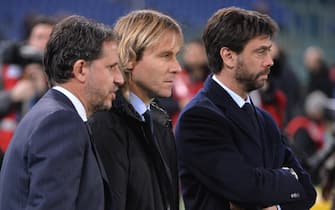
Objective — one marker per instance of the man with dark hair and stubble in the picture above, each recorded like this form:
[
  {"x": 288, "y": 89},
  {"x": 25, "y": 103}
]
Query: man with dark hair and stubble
[
  {"x": 51, "y": 162},
  {"x": 231, "y": 153}
]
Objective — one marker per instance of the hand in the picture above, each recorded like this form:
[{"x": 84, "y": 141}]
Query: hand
[
  {"x": 22, "y": 91},
  {"x": 34, "y": 82}
]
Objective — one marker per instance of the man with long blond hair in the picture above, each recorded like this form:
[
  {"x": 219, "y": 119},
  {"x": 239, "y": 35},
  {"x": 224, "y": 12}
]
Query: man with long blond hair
[{"x": 135, "y": 138}]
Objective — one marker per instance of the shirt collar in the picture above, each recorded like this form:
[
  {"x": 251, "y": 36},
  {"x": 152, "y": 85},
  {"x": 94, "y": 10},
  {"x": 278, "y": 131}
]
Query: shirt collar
[
  {"x": 75, "y": 101},
  {"x": 138, "y": 104},
  {"x": 238, "y": 99}
]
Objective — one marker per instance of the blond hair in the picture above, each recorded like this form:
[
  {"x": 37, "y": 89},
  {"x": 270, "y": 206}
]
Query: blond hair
[{"x": 141, "y": 29}]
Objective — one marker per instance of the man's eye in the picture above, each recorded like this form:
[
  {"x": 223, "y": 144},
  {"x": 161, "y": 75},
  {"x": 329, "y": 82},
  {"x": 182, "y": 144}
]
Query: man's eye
[{"x": 112, "y": 67}]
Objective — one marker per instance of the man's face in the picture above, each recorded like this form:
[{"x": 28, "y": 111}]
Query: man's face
[
  {"x": 195, "y": 61},
  {"x": 253, "y": 64},
  {"x": 154, "y": 74},
  {"x": 39, "y": 36},
  {"x": 104, "y": 79}
]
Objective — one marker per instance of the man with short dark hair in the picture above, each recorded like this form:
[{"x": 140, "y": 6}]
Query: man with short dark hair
[
  {"x": 51, "y": 162},
  {"x": 231, "y": 153}
]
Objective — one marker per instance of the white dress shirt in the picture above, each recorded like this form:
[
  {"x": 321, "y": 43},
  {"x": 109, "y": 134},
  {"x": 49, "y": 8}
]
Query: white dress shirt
[{"x": 74, "y": 100}]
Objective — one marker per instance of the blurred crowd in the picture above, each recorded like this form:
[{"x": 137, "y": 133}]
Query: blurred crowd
[
  {"x": 304, "y": 110},
  {"x": 22, "y": 77}
]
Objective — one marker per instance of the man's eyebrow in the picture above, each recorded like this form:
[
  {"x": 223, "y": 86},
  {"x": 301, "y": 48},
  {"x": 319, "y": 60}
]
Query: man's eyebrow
[
  {"x": 114, "y": 64},
  {"x": 263, "y": 48}
]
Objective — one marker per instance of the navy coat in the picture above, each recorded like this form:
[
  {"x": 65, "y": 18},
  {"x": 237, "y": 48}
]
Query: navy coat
[
  {"x": 222, "y": 159},
  {"x": 50, "y": 162}
]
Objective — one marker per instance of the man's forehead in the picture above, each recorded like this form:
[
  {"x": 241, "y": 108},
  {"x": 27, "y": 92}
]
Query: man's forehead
[
  {"x": 167, "y": 42},
  {"x": 260, "y": 41}
]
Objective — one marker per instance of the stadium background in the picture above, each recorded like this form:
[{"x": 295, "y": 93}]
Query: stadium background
[{"x": 302, "y": 22}]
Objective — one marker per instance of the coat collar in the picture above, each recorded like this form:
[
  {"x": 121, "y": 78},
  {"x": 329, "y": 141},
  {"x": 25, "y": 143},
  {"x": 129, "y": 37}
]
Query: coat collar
[
  {"x": 121, "y": 104},
  {"x": 58, "y": 96},
  {"x": 74, "y": 100},
  {"x": 159, "y": 115}
]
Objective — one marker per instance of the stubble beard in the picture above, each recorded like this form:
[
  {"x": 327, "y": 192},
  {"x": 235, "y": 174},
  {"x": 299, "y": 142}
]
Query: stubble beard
[
  {"x": 249, "y": 81},
  {"x": 97, "y": 100}
]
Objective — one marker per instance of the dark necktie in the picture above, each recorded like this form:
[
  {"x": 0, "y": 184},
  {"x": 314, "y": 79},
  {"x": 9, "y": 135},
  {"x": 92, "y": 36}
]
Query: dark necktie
[
  {"x": 248, "y": 107},
  {"x": 148, "y": 120}
]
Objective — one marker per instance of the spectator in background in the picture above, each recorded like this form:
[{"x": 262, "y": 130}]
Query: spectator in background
[
  {"x": 191, "y": 79},
  {"x": 231, "y": 153},
  {"x": 135, "y": 138},
  {"x": 327, "y": 168},
  {"x": 307, "y": 133},
  {"x": 23, "y": 80},
  {"x": 281, "y": 96},
  {"x": 273, "y": 100},
  {"x": 51, "y": 162},
  {"x": 37, "y": 30},
  {"x": 318, "y": 72},
  {"x": 286, "y": 81}
]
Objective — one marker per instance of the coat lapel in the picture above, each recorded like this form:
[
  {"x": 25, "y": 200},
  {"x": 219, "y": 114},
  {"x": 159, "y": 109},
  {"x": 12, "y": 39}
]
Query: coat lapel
[
  {"x": 151, "y": 142},
  {"x": 231, "y": 110},
  {"x": 61, "y": 97},
  {"x": 65, "y": 100}
]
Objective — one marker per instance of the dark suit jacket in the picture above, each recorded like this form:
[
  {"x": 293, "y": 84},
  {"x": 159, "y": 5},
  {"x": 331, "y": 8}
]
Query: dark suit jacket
[
  {"x": 222, "y": 159},
  {"x": 50, "y": 163}
]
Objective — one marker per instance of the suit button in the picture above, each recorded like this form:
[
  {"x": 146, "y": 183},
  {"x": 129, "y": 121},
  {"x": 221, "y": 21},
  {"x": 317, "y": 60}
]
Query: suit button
[{"x": 295, "y": 195}]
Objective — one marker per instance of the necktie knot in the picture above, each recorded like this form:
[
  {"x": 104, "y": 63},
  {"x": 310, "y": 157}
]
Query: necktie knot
[{"x": 248, "y": 108}]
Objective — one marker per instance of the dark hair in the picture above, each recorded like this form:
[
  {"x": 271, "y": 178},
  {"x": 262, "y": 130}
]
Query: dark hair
[
  {"x": 33, "y": 20},
  {"x": 233, "y": 27},
  {"x": 74, "y": 38}
]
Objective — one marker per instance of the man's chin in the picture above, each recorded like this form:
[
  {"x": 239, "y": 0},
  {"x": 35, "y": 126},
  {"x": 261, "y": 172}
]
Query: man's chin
[
  {"x": 104, "y": 107},
  {"x": 166, "y": 94},
  {"x": 255, "y": 86},
  {"x": 107, "y": 106}
]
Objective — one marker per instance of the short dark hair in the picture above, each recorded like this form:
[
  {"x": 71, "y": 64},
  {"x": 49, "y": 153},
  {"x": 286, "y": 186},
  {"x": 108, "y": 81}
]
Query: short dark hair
[
  {"x": 33, "y": 20},
  {"x": 74, "y": 38},
  {"x": 233, "y": 27}
]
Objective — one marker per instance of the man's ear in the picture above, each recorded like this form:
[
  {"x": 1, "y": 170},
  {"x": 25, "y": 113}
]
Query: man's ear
[
  {"x": 80, "y": 70},
  {"x": 228, "y": 57}
]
